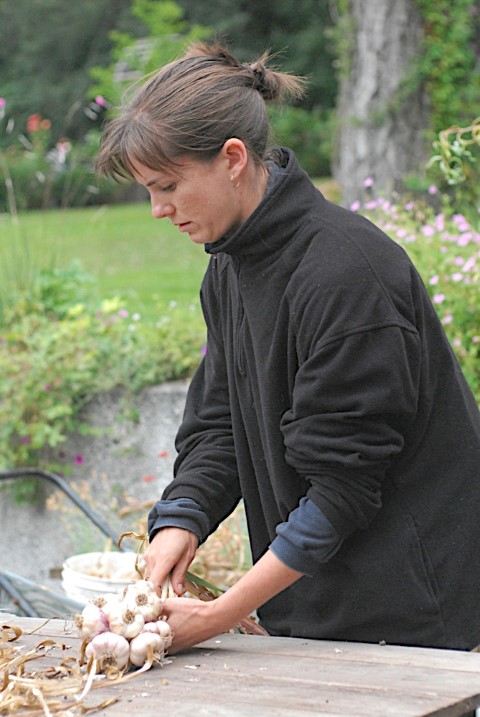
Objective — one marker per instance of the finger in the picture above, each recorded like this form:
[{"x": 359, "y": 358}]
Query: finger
[
  {"x": 158, "y": 577},
  {"x": 178, "y": 573},
  {"x": 178, "y": 579}
]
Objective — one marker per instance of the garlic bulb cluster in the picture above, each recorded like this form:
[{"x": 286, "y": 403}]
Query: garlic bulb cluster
[{"x": 125, "y": 629}]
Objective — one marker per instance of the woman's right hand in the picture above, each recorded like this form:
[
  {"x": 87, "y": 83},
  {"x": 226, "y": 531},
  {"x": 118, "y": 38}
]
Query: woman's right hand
[{"x": 170, "y": 553}]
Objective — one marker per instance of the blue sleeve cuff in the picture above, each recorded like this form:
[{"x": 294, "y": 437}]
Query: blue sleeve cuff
[
  {"x": 307, "y": 539},
  {"x": 182, "y": 513}
]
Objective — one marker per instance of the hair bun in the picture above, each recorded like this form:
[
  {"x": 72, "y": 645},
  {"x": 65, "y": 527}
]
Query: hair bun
[{"x": 263, "y": 80}]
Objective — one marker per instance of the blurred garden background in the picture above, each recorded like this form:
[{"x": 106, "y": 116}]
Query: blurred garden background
[{"x": 95, "y": 294}]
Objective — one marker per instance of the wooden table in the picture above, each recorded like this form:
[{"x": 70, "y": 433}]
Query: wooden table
[{"x": 284, "y": 677}]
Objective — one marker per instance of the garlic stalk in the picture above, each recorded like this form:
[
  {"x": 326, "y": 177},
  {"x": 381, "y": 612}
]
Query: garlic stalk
[
  {"x": 110, "y": 650},
  {"x": 167, "y": 590}
]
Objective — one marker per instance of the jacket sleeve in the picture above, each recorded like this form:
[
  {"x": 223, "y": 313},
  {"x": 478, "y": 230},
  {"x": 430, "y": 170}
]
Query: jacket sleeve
[
  {"x": 206, "y": 468},
  {"x": 182, "y": 513},
  {"x": 354, "y": 397}
]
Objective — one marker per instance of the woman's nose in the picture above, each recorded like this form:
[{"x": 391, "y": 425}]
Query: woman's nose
[{"x": 161, "y": 209}]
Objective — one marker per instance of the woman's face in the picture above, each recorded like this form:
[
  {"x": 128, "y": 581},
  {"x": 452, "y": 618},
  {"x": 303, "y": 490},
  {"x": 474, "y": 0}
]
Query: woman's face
[{"x": 198, "y": 197}]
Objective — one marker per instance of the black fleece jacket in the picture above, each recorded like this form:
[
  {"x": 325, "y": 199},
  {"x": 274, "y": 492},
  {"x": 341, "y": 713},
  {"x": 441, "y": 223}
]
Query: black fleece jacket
[{"x": 328, "y": 375}]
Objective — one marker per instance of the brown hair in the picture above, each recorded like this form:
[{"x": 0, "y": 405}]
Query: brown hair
[{"x": 190, "y": 107}]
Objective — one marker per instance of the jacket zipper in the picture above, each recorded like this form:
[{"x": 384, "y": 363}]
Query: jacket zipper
[
  {"x": 240, "y": 343},
  {"x": 240, "y": 329}
]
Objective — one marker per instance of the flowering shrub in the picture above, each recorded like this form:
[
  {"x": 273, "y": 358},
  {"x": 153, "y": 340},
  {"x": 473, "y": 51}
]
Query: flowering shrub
[
  {"x": 446, "y": 251},
  {"x": 58, "y": 352},
  {"x": 36, "y": 173}
]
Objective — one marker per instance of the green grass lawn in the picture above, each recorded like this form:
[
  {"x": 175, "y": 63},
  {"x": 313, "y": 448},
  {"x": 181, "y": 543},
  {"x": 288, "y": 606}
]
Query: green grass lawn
[
  {"x": 146, "y": 261},
  {"x": 131, "y": 254}
]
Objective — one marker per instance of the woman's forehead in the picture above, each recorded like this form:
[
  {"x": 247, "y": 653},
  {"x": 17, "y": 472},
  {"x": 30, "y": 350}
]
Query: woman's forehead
[{"x": 147, "y": 173}]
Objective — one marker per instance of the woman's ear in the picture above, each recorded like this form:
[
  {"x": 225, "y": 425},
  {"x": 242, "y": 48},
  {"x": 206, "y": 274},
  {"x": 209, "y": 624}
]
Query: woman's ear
[{"x": 236, "y": 156}]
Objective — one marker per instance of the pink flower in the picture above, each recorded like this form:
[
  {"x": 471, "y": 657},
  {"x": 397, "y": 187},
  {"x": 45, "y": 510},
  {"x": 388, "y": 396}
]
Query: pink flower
[
  {"x": 148, "y": 479},
  {"x": 368, "y": 182},
  {"x": 434, "y": 280},
  {"x": 461, "y": 222},
  {"x": 457, "y": 276},
  {"x": 79, "y": 459},
  {"x": 427, "y": 230},
  {"x": 439, "y": 298},
  {"x": 203, "y": 350},
  {"x": 464, "y": 240},
  {"x": 163, "y": 454},
  {"x": 432, "y": 189},
  {"x": 100, "y": 101},
  {"x": 123, "y": 313},
  {"x": 447, "y": 319},
  {"x": 469, "y": 264},
  {"x": 355, "y": 206}
]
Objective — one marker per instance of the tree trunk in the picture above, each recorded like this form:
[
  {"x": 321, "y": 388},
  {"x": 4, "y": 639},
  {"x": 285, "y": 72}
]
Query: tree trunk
[{"x": 381, "y": 123}]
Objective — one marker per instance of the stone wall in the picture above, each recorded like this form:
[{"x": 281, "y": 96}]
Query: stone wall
[{"x": 127, "y": 456}]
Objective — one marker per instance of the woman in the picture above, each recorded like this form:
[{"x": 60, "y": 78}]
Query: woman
[{"x": 329, "y": 399}]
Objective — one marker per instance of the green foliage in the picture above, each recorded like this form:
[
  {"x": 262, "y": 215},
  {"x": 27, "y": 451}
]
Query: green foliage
[
  {"x": 297, "y": 32},
  {"x": 343, "y": 38},
  {"x": 167, "y": 34},
  {"x": 57, "y": 352},
  {"x": 308, "y": 133},
  {"x": 445, "y": 248},
  {"x": 46, "y": 50},
  {"x": 448, "y": 63}
]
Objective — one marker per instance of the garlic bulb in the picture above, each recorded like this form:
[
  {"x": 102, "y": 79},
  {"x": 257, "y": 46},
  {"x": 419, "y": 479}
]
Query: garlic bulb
[
  {"x": 92, "y": 621},
  {"x": 110, "y": 650},
  {"x": 139, "y": 648},
  {"x": 162, "y": 628},
  {"x": 105, "y": 601},
  {"x": 142, "y": 594},
  {"x": 125, "y": 619}
]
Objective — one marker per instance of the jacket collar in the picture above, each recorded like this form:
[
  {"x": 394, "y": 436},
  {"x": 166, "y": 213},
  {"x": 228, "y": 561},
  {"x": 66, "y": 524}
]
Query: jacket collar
[{"x": 277, "y": 217}]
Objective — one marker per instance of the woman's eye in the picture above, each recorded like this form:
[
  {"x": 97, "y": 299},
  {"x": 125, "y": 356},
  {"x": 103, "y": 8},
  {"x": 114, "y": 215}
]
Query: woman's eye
[{"x": 169, "y": 188}]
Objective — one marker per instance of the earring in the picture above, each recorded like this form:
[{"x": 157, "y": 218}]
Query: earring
[{"x": 234, "y": 185}]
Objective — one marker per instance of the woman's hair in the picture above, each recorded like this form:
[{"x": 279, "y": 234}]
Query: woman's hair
[{"x": 190, "y": 107}]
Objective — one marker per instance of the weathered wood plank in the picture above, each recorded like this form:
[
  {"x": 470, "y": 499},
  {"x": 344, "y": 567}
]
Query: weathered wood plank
[{"x": 279, "y": 677}]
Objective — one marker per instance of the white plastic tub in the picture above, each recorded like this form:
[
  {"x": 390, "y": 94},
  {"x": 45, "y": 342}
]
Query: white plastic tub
[{"x": 89, "y": 574}]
